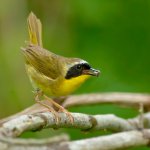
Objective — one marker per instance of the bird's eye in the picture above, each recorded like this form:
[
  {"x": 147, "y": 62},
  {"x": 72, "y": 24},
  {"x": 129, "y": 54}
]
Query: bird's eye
[{"x": 79, "y": 67}]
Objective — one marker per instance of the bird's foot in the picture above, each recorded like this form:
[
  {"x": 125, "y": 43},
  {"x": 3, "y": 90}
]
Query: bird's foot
[
  {"x": 61, "y": 109},
  {"x": 68, "y": 114},
  {"x": 38, "y": 95}
]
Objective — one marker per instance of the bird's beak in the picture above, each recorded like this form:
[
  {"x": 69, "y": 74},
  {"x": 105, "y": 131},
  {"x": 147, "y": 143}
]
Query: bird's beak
[{"x": 91, "y": 71}]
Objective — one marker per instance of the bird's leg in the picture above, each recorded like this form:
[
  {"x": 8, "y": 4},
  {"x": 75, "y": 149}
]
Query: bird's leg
[
  {"x": 61, "y": 109},
  {"x": 60, "y": 100},
  {"x": 38, "y": 95}
]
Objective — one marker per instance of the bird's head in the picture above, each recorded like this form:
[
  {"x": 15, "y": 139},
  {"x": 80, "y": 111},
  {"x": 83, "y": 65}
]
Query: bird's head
[{"x": 77, "y": 67}]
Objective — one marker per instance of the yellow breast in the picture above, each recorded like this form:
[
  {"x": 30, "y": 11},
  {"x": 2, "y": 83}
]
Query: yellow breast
[{"x": 67, "y": 86}]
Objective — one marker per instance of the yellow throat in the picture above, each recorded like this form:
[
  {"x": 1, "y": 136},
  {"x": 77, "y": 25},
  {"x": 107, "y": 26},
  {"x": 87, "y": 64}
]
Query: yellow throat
[{"x": 67, "y": 86}]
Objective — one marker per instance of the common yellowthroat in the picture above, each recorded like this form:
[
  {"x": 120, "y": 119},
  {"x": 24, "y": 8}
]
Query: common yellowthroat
[{"x": 52, "y": 74}]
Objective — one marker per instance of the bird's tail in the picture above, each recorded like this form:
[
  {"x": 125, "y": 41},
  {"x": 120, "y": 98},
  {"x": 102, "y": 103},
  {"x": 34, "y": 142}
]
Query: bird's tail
[{"x": 35, "y": 29}]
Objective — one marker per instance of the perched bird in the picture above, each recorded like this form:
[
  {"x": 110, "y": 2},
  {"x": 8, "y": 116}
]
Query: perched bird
[{"x": 50, "y": 74}]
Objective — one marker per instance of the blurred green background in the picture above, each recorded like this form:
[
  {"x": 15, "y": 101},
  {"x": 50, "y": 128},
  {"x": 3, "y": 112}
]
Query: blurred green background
[{"x": 113, "y": 36}]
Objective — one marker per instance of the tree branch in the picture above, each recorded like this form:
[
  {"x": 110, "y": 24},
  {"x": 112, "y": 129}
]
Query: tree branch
[
  {"x": 84, "y": 122},
  {"x": 121, "y": 99},
  {"x": 38, "y": 117},
  {"x": 16, "y": 127}
]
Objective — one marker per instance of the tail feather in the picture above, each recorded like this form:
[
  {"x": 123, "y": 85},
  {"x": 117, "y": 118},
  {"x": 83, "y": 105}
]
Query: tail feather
[{"x": 35, "y": 29}]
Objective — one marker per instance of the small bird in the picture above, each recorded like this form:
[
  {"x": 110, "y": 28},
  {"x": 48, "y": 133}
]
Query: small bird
[{"x": 50, "y": 74}]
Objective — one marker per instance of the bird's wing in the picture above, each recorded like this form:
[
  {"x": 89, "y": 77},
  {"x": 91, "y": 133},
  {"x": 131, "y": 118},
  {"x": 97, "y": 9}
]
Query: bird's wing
[{"x": 43, "y": 61}]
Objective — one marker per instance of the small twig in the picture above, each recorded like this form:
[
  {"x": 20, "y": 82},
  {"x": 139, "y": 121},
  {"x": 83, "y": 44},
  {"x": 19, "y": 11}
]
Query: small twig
[
  {"x": 111, "y": 142},
  {"x": 39, "y": 144},
  {"x": 141, "y": 117},
  {"x": 125, "y": 99}
]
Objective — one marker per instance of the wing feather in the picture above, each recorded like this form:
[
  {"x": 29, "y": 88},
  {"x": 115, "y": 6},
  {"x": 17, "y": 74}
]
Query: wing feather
[{"x": 43, "y": 61}]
